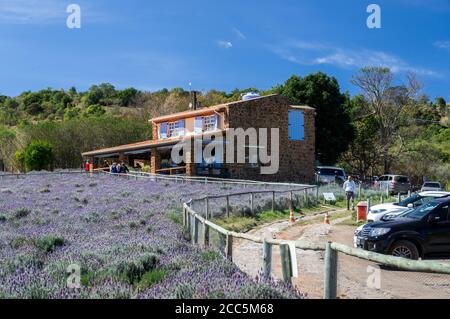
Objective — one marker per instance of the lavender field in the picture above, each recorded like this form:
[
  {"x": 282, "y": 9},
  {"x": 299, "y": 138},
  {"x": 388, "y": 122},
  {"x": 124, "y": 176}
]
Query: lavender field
[{"x": 125, "y": 235}]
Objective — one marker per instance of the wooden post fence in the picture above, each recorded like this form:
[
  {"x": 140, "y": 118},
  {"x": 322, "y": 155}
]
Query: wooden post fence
[
  {"x": 273, "y": 201},
  {"x": 286, "y": 266},
  {"x": 330, "y": 274},
  {"x": 267, "y": 259},
  {"x": 205, "y": 235},
  {"x": 195, "y": 237},
  {"x": 229, "y": 247}
]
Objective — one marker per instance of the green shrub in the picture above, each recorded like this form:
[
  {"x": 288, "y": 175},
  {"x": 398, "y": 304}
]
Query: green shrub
[
  {"x": 49, "y": 243},
  {"x": 132, "y": 271},
  {"x": 18, "y": 242},
  {"x": 151, "y": 277},
  {"x": 21, "y": 213},
  {"x": 38, "y": 155},
  {"x": 210, "y": 255},
  {"x": 175, "y": 217}
]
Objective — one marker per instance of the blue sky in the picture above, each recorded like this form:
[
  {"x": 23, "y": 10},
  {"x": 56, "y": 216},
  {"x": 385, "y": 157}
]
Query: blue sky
[{"x": 218, "y": 44}]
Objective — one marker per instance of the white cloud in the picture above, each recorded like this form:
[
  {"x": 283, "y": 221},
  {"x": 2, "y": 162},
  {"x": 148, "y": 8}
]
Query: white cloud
[
  {"x": 224, "y": 44},
  {"x": 44, "y": 11},
  {"x": 314, "y": 53},
  {"x": 239, "y": 34},
  {"x": 442, "y": 45},
  {"x": 31, "y": 11}
]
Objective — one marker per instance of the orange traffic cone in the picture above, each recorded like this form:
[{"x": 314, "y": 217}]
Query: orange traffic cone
[
  {"x": 326, "y": 219},
  {"x": 291, "y": 215}
]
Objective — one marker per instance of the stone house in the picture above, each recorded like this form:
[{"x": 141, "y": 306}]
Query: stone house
[{"x": 295, "y": 155}]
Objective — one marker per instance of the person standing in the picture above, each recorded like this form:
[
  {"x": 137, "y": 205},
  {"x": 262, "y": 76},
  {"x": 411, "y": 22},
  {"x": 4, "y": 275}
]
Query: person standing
[
  {"x": 87, "y": 166},
  {"x": 113, "y": 168},
  {"x": 349, "y": 188}
]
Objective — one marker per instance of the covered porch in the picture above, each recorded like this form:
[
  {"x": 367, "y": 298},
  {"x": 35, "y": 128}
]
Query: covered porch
[{"x": 154, "y": 157}]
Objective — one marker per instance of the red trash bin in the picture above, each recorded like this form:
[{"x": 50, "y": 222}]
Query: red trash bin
[{"x": 362, "y": 211}]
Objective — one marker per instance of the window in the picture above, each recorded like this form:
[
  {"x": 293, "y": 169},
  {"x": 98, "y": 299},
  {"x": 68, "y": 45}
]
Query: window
[
  {"x": 172, "y": 129},
  {"x": 401, "y": 179},
  {"x": 296, "y": 129},
  {"x": 175, "y": 128},
  {"x": 209, "y": 123}
]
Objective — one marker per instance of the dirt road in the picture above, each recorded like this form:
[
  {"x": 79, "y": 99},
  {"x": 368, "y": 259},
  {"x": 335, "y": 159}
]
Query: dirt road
[{"x": 357, "y": 278}]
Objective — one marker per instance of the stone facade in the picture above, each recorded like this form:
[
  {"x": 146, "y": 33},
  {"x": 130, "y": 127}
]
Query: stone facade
[{"x": 296, "y": 158}]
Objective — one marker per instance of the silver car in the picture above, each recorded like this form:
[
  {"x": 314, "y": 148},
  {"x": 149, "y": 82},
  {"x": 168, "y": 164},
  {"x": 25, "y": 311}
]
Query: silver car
[
  {"x": 394, "y": 184},
  {"x": 330, "y": 174}
]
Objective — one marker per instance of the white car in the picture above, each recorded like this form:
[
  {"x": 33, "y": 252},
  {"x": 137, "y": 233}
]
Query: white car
[
  {"x": 376, "y": 212},
  {"x": 431, "y": 186},
  {"x": 391, "y": 210}
]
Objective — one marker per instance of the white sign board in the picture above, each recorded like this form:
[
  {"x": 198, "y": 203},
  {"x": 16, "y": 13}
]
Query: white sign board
[{"x": 329, "y": 197}]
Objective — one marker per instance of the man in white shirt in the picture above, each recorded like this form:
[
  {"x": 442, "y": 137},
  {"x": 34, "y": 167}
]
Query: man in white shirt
[{"x": 349, "y": 188}]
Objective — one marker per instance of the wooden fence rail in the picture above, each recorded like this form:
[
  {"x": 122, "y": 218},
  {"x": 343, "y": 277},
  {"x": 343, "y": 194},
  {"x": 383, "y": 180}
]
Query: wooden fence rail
[{"x": 330, "y": 249}]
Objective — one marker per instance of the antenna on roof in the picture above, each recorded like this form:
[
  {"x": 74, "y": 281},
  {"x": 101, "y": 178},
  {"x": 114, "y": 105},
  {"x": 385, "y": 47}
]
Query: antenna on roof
[{"x": 190, "y": 95}]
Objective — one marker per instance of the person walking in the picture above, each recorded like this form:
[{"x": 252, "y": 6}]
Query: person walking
[{"x": 349, "y": 188}]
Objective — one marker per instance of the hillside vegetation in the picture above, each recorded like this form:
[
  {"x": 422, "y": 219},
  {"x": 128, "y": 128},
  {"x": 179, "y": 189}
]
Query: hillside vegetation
[{"x": 388, "y": 127}]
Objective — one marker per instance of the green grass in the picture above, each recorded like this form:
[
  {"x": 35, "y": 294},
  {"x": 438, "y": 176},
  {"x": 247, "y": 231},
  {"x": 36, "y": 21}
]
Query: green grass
[
  {"x": 176, "y": 217},
  {"x": 151, "y": 277},
  {"x": 48, "y": 243},
  {"x": 244, "y": 224}
]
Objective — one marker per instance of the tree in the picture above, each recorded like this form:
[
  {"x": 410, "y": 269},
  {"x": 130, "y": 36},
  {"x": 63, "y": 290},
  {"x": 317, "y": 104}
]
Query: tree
[
  {"x": 362, "y": 157},
  {"x": 38, "y": 155},
  {"x": 127, "y": 96},
  {"x": 334, "y": 131},
  {"x": 386, "y": 103},
  {"x": 94, "y": 110}
]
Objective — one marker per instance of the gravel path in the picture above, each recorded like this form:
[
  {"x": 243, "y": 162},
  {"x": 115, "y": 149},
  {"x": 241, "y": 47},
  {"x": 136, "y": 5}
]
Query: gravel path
[{"x": 354, "y": 274}]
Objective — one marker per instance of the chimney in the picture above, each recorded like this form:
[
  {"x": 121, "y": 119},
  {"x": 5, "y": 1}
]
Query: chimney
[{"x": 194, "y": 101}]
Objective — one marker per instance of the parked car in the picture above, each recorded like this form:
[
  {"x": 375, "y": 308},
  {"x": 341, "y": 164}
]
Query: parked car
[
  {"x": 328, "y": 174},
  {"x": 431, "y": 186},
  {"x": 394, "y": 184},
  {"x": 420, "y": 232},
  {"x": 378, "y": 212}
]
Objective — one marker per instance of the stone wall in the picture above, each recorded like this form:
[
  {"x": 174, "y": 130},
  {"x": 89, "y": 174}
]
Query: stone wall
[{"x": 296, "y": 158}]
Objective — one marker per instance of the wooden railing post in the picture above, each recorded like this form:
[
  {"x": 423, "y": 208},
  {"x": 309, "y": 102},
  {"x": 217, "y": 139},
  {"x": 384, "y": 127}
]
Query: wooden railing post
[
  {"x": 228, "y": 206},
  {"x": 229, "y": 247},
  {"x": 189, "y": 228},
  {"x": 317, "y": 194},
  {"x": 286, "y": 265},
  {"x": 267, "y": 259},
  {"x": 273, "y": 201},
  {"x": 206, "y": 207},
  {"x": 306, "y": 197},
  {"x": 330, "y": 273},
  {"x": 195, "y": 235},
  {"x": 252, "y": 208},
  {"x": 205, "y": 235},
  {"x": 291, "y": 200}
]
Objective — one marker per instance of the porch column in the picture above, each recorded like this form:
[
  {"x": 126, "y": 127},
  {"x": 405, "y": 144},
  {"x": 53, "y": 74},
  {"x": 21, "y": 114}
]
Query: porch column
[
  {"x": 190, "y": 162},
  {"x": 155, "y": 160},
  {"x": 123, "y": 158}
]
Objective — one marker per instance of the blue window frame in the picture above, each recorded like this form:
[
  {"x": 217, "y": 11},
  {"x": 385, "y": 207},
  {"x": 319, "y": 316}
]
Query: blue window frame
[
  {"x": 163, "y": 130},
  {"x": 296, "y": 130}
]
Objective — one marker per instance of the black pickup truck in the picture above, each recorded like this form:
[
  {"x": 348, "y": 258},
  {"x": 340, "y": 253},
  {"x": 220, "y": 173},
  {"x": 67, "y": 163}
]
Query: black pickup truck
[{"x": 420, "y": 232}]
